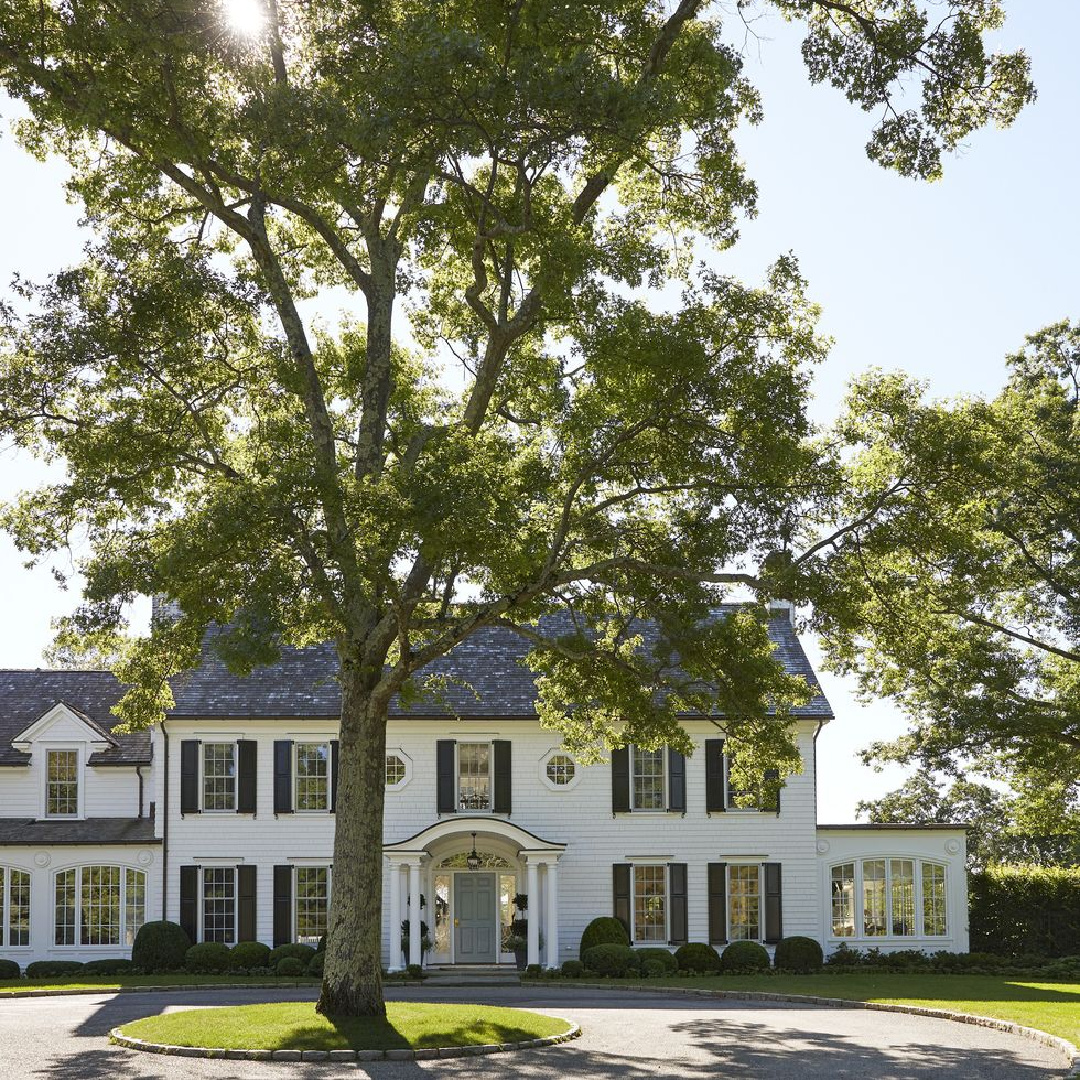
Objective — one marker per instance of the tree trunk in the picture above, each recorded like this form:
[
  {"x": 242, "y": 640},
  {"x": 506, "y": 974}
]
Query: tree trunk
[{"x": 352, "y": 977}]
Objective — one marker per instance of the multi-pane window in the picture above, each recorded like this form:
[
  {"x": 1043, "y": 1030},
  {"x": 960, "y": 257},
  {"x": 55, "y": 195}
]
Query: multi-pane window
[
  {"x": 62, "y": 783},
  {"x": 395, "y": 771},
  {"x": 219, "y": 776},
  {"x": 650, "y": 903},
  {"x": 881, "y": 898},
  {"x": 560, "y": 769},
  {"x": 647, "y": 779},
  {"x": 744, "y": 903},
  {"x": 219, "y": 904},
  {"x": 843, "y": 900},
  {"x": 313, "y": 776},
  {"x": 312, "y": 901},
  {"x": 99, "y": 905},
  {"x": 474, "y": 776},
  {"x": 14, "y": 907}
]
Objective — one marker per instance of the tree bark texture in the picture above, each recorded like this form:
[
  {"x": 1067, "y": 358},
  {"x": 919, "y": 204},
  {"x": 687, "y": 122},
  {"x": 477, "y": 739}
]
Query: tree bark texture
[{"x": 352, "y": 978}]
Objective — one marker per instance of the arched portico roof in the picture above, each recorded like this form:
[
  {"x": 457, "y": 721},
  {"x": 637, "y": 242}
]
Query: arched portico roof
[{"x": 464, "y": 826}]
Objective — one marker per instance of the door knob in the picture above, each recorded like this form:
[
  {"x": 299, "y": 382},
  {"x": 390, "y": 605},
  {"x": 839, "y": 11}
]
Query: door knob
[{"x": 455, "y": 922}]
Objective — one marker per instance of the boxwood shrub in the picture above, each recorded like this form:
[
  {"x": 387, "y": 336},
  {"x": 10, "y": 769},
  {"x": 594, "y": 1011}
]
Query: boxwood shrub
[
  {"x": 10, "y": 970},
  {"x": 316, "y": 965},
  {"x": 612, "y": 961},
  {"x": 744, "y": 958},
  {"x": 159, "y": 947},
  {"x": 292, "y": 965},
  {"x": 207, "y": 958},
  {"x": 573, "y": 969},
  {"x": 801, "y": 955},
  {"x": 292, "y": 951},
  {"x": 697, "y": 957},
  {"x": 665, "y": 960},
  {"x": 246, "y": 955},
  {"x": 603, "y": 931},
  {"x": 52, "y": 969},
  {"x": 119, "y": 966}
]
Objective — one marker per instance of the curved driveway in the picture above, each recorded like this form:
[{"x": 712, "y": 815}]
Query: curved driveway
[{"x": 627, "y": 1037}]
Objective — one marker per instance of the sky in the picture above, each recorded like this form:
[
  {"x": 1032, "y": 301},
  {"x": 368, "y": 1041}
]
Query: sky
[{"x": 940, "y": 280}]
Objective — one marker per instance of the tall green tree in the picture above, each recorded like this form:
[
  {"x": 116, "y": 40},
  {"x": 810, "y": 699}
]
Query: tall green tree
[
  {"x": 955, "y": 588},
  {"x": 513, "y": 177}
]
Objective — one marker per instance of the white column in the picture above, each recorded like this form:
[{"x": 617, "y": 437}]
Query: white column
[
  {"x": 533, "y": 956},
  {"x": 552, "y": 914},
  {"x": 395, "y": 916},
  {"x": 415, "y": 954}
]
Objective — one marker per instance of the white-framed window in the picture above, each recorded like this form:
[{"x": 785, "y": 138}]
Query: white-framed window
[
  {"x": 14, "y": 907},
  {"x": 649, "y": 887},
  {"x": 218, "y": 907},
  {"x": 99, "y": 905},
  {"x": 880, "y": 898},
  {"x": 474, "y": 775},
  {"x": 648, "y": 779},
  {"x": 311, "y": 774},
  {"x": 61, "y": 783},
  {"x": 744, "y": 901},
  {"x": 311, "y": 902},
  {"x": 398, "y": 769},
  {"x": 218, "y": 762},
  {"x": 559, "y": 771}
]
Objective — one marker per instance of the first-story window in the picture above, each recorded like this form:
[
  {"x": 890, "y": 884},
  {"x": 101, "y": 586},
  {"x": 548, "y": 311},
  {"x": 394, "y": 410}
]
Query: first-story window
[
  {"x": 219, "y": 776},
  {"x": 312, "y": 776},
  {"x": 312, "y": 901},
  {"x": 62, "y": 783},
  {"x": 744, "y": 903},
  {"x": 647, "y": 779},
  {"x": 14, "y": 907},
  {"x": 99, "y": 905},
  {"x": 888, "y": 890},
  {"x": 219, "y": 904},
  {"x": 650, "y": 903}
]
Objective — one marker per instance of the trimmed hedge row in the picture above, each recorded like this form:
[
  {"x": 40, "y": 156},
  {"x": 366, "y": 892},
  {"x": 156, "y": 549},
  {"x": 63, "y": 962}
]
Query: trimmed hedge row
[{"x": 1025, "y": 910}]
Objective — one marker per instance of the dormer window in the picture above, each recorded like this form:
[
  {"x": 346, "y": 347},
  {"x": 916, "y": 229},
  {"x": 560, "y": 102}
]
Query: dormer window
[{"x": 62, "y": 783}]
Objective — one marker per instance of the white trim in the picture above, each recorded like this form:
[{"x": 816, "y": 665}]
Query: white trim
[
  {"x": 469, "y": 741},
  {"x": 6, "y": 869},
  {"x": 919, "y": 933},
  {"x": 78, "y": 868},
  {"x": 760, "y": 899},
  {"x": 60, "y": 711},
  {"x": 542, "y": 764},
  {"x": 218, "y": 864},
  {"x": 203, "y": 744},
  {"x": 323, "y": 865},
  {"x": 648, "y": 942},
  {"x": 665, "y": 796},
  {"x": 396, "y": 751},
  {"x": 311, "y": 741},
  {"x": 80, "y": 781}
]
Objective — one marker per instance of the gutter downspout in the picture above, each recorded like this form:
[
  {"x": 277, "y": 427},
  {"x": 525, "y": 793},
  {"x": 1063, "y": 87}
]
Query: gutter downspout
[
  {"x": 165, "y": 823},
  {"x": 138, "y": 773},
  {"x": 817, "y": 732}
]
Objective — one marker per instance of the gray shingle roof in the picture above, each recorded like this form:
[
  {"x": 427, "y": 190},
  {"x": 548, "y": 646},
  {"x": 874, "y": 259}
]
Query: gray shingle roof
[
  {"x": 25, "y": 695},
  {"x": 485, "y": 679},
  {"x": 90, "y": 831}
]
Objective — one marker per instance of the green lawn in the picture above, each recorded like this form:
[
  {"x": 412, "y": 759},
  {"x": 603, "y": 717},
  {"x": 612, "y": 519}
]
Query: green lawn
[
  {"x": 296, "y": 1026},
  {"x": 116, "y": 982},
  {"x": 1050, "y": 1006}
]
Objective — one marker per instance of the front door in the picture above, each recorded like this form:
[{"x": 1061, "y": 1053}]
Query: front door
[{"x": 474, "y": 918}]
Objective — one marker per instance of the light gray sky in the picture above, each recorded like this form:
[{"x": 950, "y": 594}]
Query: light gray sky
[{"x": 941, "y": 280}]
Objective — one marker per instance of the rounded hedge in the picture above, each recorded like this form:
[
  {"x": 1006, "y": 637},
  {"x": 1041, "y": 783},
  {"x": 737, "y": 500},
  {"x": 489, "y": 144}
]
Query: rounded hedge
[
  {"x": 611, "y": 960},
  {"x": 744, "y": 958},
  {"x": 51, "y": 969},
  {"x": 603, "y": 931},
  {"x": 801, "y": 955},
  {"x": 159, "y": 947},
  {"x": 10, "y": 970},
  {"x": 697, "y": 957},
  {"x": 316, "y": 965},
  {"x": 291, "y": 965},
  {"x": 321, "y": 947},
  {"x": 207, "y": 958},
  {"x": 666, "y": 960},
  {"x": 292, "y": 951},
  {"x": 573, "y": 969},
  {"x": 118, "y": 966},
  {"x": 246, "y": 955}
]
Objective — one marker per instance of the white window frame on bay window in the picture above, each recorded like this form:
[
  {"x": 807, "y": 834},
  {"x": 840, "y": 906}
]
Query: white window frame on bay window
[
  {"x": 129, "y": 875},
  {"x": 80, "y": 781},
  {"x": 6, "y": 870},
  {"x": 312, "y": 741},
  {"x": 917, "y": 887}
]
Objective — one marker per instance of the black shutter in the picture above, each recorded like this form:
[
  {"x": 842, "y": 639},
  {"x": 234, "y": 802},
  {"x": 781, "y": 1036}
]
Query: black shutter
[
  {"x": 247, "y": 772},
  {"x": 620, "y": 780},
  {"x": 189, "y": 777},
  {"x": 676, "y": 764},
  {"x": 189, "y": 901},
  {"x": 774, "y": 922},
  {"x": 714, "y": 776},
  {"x": 446, "y": 795},
  {"x": 620, "y": 873},
  {"x": 245, "y": 903},
  {"x": 772, "y": 780},
  {"x": 677, "y": 894},
  {"x": 501, "y": 801},
  {"x": 283, "y": 777},
  {"x": 717, "y": 903},
  {"x": 283, "y": 876},
  {"x": 335, "y": 755}
]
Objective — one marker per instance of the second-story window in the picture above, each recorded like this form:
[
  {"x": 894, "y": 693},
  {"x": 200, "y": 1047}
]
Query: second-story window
[
  {"x": 312, "y": 776},
  {"x": 647, "y": 779},
  {"x": 62, "y": 783},
  {"x": 474, "y": 776},
  {"x": 219, "y": 776}
]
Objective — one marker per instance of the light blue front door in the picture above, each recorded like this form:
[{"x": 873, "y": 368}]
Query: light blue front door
[{"x": 474, "y": 918}]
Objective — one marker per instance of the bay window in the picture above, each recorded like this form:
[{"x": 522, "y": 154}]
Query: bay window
[
  {"x": 879, "y": 898},
  {"x": 99, "y": 905}
]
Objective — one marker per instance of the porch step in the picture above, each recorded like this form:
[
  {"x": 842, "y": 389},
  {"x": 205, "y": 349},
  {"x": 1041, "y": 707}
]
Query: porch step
[{"x": 473, "y": 975}]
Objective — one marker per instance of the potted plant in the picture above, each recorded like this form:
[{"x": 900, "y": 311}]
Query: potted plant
[
  {"x": 517, "y": 941},
  {"x": 425, "y": 941}
]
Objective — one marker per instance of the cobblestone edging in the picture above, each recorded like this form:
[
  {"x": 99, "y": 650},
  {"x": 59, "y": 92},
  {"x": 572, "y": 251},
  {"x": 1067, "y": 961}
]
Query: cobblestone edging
[
  {"x": 424, "y": 1054},
  {"x": 1055, "y": 1042},
  {"x": 7, "y": 993}
]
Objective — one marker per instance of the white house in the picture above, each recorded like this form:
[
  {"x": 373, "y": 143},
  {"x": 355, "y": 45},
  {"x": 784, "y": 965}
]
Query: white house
[{"x": 222, "y": 819}]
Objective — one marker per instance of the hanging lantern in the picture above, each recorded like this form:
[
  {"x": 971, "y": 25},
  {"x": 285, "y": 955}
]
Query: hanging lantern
[{"x": 472, "y": 860}]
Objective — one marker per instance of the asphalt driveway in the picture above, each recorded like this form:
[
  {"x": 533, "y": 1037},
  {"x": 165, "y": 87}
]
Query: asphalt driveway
[{"x": 626, "y": 1037}]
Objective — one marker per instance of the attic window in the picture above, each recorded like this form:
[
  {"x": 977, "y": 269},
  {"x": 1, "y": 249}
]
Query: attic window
[{"x": 62, "y": 783}]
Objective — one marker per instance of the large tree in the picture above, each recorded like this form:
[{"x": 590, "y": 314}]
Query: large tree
[
  {"x": 515, "y": 174},
  {"x": 955, "y": 588}
]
